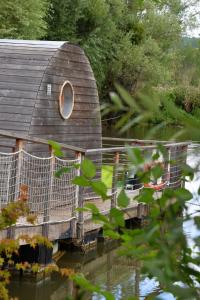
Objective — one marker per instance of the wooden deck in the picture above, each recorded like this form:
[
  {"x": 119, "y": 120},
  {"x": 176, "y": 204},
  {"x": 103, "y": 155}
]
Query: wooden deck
[
  {"x": 64, "y": 227},
  {"x": 55, "y": 201}
]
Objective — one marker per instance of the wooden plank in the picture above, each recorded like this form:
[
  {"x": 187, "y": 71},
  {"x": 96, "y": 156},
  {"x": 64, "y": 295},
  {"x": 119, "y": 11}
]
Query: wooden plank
[
  {"x": 72, "y": 48},
  {"x": 71, "y": 56},
  {"x": 5, "y": 149},
  {"x": 74, "y": 81},
  {"x": 60, "y": 230},
  {"x": 66, "y": 129},
  {"x": 68, "y": 74},
  {"x": 26, "y": 66},
  {"x": 78, "y": 71},
  {"x": 72, "y": 122},
  {"x": 85, "y": 91},
  {"x": 22, "y": 110},
  {"x": 17, "y": 94},
  {"x": 76, "y": 115},
  {"x": 71, "y": 138},
  {"x": 87, "y": 98},
  {"x": 53, "y": 104},
  {"x": 44, "y": 103},
  {"x": 7, "y": 142},
  {"x": 79, "y": 100},
  {"x": 74, "y": 65},
  {"x": 55, "y": 114},
  {"x": 17, "y": 102},
  {"x": 26, "y": 57},
  {"x": 16, "y": 126},
  {"x": 22, "y": 61},
  {"x": 20, "y": 86},
  {"x": 27, "y": 51},
  {"x": 35, "y": 140},
  {"x": 23, "y": 73},
  {"x": 20, "y": 79},
  {"x": 15, "y": 117},
  {"x": 77, "y": 90},
  {"x": 37, "y": 148},
  {"x": 86, "y": 106}
]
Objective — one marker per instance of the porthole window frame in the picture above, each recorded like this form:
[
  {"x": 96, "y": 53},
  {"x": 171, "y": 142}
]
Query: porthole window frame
[{"x": 65, "y": 117}]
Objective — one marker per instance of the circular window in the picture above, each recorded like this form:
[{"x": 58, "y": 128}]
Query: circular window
[{"x": 66, "y": 100}]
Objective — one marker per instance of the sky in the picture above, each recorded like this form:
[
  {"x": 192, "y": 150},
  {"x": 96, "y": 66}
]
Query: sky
[{"x": 196, "y": 31}]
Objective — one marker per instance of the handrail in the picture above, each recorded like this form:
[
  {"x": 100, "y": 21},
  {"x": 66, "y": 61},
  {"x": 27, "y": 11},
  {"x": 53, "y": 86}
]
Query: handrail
[
  {"x": 19, "y": 136},
  {"x": 114, "y": 139},
  {"x": 139, "y": 143},
  {"x": 106, "y": 138},
  {"x": 124, "y": 148}
]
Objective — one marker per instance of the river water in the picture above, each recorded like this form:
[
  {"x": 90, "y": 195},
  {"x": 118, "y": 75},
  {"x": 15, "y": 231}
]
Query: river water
[{"x": 103, "y": 266}]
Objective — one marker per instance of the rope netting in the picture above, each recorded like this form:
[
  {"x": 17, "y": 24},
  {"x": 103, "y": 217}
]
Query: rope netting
[
  {"x": 49, "y": 197},
  {"x": 124, "y": 173},
  {"x": 53, "y": 198},
  {"x": 171, "y": 164}
]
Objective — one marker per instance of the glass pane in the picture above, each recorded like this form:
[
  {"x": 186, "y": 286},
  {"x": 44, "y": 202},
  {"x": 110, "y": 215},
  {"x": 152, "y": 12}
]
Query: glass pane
[{"x": 66, "y": 100}]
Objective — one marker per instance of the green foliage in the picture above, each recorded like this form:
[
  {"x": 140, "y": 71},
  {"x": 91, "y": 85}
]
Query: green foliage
[
  {"x": 9, "y": 247},
  {"x": 57, "y": 151},
  {"x": 84, "y": 284},
  {"x": 22, "y": 19},
  {"x": 88, "y": 168},
  {"x": 160, "y": 246},
  {"x": 107, "y": 175},
  {"x": 129, "y": 42},
  {"x": 122, "y": 199}
]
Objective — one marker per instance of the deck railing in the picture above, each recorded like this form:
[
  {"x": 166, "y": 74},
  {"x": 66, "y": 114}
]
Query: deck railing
[{"x": 55, "y": 199}]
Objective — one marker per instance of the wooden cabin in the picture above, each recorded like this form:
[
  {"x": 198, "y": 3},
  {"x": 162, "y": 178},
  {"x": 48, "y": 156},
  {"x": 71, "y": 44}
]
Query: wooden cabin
[{"x": 48, "y": 90}]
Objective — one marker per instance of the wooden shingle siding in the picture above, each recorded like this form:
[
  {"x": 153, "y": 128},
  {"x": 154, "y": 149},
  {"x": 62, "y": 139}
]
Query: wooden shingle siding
[
  {"x": 72, "y": 122},
  {"x": 26, "y": 68}
]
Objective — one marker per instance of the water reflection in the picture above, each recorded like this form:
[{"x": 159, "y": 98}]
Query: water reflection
[
  {"x": 119, "y": 275},
  {"x": 193, "y": 206}
]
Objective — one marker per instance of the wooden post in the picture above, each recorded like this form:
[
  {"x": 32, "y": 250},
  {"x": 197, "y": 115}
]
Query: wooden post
[
  {"x": 47, "y": 202},
  {"x": 76, "y": 203},
  {"x": 19, "y": 147},
  {"x": 114, "y": 180},
  {"x": 15, "y": 181},
  {"x": 165, "y": 176},
  {"x": 175, "y": 172},
  {"x": 183, "y": 161},
  {"x": 137, "y": 281},
  {"x": 80, "y": 203}
]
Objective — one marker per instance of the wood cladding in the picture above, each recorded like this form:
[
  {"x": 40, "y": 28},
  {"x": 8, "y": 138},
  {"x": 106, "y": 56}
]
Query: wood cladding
[{"x": 26, "y": 69}]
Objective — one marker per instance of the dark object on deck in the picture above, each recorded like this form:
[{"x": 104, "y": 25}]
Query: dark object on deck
[
  {"x": 132, "y": 182},
  {"x": 48, "y": 90}
]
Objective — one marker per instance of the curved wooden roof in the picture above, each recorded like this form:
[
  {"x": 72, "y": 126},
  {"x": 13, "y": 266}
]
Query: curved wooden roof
[
  {"x": 33, "y": 43},
  {"x": 26, "y": 68}
]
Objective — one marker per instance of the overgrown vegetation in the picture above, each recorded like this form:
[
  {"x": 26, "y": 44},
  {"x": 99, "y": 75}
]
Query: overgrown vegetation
[
  {"x": 161, "y": 247},
  {"x": 9, "y": 247},
  {"x": 138, "y": 44},
  {"x": 22, "y": 19}
]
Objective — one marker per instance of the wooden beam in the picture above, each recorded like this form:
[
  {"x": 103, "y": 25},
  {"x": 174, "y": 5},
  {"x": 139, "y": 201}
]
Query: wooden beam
[
  {"x": 124, "y": 148},
  {"x": 19, "y": 136}
]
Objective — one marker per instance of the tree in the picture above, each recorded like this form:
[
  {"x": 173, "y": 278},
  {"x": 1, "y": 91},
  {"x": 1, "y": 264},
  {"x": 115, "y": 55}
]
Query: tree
[
  {"x": 131, "y": 42},
  {"x": 22, "y": 19}
]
